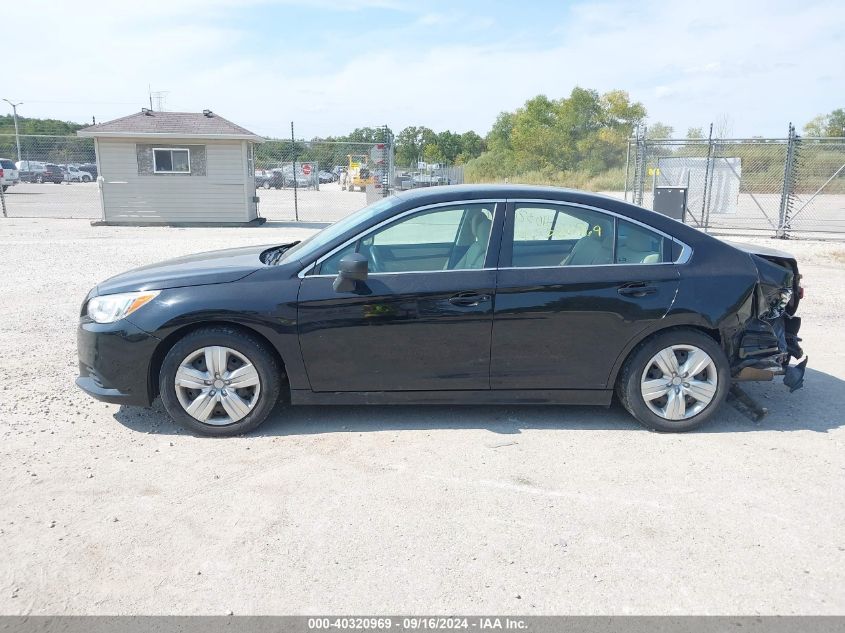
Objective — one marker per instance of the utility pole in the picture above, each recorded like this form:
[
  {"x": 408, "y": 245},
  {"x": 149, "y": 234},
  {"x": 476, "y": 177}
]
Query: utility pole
[{"x": 15, "y": 115}]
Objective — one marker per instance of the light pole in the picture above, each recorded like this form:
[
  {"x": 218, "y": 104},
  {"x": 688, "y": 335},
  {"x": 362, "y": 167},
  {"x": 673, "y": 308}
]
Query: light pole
[{"x": 15, "y": 114}]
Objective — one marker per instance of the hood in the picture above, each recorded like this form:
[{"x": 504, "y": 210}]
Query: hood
[{"x": 215, "y": 267}]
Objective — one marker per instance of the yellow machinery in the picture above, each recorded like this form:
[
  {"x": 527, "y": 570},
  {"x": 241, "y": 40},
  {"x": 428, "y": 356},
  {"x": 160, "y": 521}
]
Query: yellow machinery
[{"x": 359, "y": 174}]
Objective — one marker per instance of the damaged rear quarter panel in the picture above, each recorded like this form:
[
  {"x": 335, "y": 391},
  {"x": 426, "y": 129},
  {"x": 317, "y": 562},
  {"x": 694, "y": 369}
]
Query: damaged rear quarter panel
[{"x": 717, "y": 292}]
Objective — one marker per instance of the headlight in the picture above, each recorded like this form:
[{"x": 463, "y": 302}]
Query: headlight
[{"x": 110, "y": 308}]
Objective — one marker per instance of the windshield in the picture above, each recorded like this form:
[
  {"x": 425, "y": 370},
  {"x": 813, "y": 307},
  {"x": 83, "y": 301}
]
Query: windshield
[{"x": 309, "y": 247}]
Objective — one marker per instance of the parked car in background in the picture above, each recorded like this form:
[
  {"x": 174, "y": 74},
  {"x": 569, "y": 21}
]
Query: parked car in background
[
  {"x": 283, "y": 177},
  {"x": 91, "y": 168},
  {"x": 429, "y": 180},
  {"x": 276, "y": 179},
  {"x": 28, "y": 170},
  {"x": 327, "y": 176},
  {"x": 262, "y": 180},
  {"x": 8, "y": 174},
  {"x": 74, "y": 174},
  {"x": 302, "y": 181},
  {"x": 52, "y": 173},
  {"x": 469, "y": 294}
]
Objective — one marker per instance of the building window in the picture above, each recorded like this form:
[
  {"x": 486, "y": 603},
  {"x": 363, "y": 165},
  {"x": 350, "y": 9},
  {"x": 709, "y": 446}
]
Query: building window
[{"x": 171, "y": 160}]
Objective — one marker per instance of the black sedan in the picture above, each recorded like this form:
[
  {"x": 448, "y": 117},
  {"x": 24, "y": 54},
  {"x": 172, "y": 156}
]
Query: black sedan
[{"x": 458, "y": 295}]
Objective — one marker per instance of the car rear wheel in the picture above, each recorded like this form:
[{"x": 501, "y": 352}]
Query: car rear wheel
[
  {"x": 675, "y": 381},
  {"x": 219, "y": 381},
  {"x": 86, "y": 179}
]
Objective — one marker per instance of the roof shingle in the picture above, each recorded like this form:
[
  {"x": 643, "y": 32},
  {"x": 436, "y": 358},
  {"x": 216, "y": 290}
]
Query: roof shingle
[{"x": 150, "y": 123}]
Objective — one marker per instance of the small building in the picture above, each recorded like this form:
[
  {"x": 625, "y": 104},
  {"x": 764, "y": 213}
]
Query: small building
[{"x": 175, "y": 168}]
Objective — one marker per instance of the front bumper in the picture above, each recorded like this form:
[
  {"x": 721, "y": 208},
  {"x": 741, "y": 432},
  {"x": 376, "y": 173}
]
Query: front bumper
[{"x": 114, "y": 362}]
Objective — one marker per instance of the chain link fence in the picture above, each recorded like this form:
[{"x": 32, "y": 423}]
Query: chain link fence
[
  {"x": 56, "y": 177},
  {"x": 788, "y": 186},
  {"x": 771, "y": 186},
  {"x": 308, "y": 181}
]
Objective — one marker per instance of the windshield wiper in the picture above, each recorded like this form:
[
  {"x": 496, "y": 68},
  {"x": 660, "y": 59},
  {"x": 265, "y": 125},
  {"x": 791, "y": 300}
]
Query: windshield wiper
[{"x": 274, "y": 255}]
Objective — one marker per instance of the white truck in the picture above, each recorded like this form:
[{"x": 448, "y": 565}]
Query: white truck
[
  {"x": 8, "y": 174},
  {"x": 74, "y": 174}
]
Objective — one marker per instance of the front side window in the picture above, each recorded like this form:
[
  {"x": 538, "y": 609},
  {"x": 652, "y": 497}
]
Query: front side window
[
  {"x": 559, "y": 235},
  {"x": 450, "y": 238},
  {"x": 171, "y": 161}
]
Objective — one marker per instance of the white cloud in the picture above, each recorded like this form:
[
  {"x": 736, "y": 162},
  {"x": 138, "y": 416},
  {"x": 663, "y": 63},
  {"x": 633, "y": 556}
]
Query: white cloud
[{"x": 764, "y": 63}]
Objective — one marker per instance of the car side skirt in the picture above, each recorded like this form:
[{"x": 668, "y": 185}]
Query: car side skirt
[{"x": 600, "y": 397}]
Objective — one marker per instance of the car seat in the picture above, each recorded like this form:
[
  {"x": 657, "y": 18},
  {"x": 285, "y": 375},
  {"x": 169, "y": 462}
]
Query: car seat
[
  {"x": 596, "y": 247},
  {"x": 638, "y": 248},
  {"x": 473, "y": 258}
]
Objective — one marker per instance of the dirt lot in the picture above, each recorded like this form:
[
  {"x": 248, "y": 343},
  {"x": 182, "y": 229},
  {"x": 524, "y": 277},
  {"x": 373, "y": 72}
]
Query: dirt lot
[{"x": 109, "y": 510}]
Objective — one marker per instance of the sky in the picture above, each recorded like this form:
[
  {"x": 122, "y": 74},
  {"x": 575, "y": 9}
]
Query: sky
[{"x": 334, "y": 65}]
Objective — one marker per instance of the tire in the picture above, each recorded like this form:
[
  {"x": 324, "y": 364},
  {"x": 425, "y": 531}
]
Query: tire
[
  {"x": 690, "y": 401},
  {"x": 86, "y": 179},
  {"x": 5, "y": 187},
  {"x": 259, "y": 398},
  {"x": 40, "y": 180},
  {"x": 266, "y": 185}
]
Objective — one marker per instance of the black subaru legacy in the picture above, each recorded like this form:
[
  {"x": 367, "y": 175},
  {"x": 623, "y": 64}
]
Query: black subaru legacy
[{"x": 451, "y": 295}]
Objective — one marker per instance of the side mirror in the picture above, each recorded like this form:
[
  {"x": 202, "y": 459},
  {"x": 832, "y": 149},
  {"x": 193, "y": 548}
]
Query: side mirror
[{"x": 352, "y": 268}]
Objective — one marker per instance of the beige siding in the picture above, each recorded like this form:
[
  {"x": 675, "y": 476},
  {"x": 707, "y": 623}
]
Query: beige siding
[{"x": 220, "y": 196}]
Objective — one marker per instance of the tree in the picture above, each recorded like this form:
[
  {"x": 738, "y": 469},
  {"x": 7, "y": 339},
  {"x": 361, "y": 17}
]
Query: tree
[
  {"x": 660, "y": 130},
  {"x": 416, "y": 143},
  {"x": 410, "y": 143},
  {"x": 723, "y": 127},
  {"x": 585, "y": 131},
  {"x": 695, "y": 133},
  {"x": 472, "y": 146},
  {"x": 836, "y": 123},
  {"x": 832, "y": 124},
  {"x": 817, "y": 126},
  {"x": 48, "y": 127}
]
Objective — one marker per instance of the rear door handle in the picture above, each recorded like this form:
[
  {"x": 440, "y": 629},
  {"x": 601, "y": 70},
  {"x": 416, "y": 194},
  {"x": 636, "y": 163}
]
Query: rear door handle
[
  {"x": 468, "y": 299},
  {"x": 636, "y": 289}
]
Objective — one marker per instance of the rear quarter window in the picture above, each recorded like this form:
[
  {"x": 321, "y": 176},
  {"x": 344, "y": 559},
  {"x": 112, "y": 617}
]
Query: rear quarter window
[{"x": 7, "y": 164}]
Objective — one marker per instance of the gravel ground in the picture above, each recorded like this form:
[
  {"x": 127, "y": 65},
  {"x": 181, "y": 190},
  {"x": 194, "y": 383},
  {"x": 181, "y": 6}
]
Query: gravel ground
[{"x": 523, "y": 510}]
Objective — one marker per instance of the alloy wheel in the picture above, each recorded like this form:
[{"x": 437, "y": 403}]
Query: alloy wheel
[
  {"x": 217, "y": 385},
  {"x": 679, "y": 382}
]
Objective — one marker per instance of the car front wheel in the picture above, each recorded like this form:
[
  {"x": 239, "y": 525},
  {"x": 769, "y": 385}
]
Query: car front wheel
[
  {"x": 675, "y": 380},
  {"x": 219, "y": 381}
]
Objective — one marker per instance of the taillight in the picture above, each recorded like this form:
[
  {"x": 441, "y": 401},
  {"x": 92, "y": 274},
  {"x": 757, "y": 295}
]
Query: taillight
[{"x": 1, "y": 172}]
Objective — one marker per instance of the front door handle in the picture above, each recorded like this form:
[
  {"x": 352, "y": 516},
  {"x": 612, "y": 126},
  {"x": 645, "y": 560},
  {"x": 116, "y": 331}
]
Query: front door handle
[
  {"x": 468, "y": 299},
  {"x": 636, "y": 289}
]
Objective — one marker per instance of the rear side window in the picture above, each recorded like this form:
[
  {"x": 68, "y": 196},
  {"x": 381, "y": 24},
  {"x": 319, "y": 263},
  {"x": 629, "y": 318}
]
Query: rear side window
[
  {"x": 7, "y": 164},
  {"x": 560, "y": 235},
  {"x": 636, "y": 244}
]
